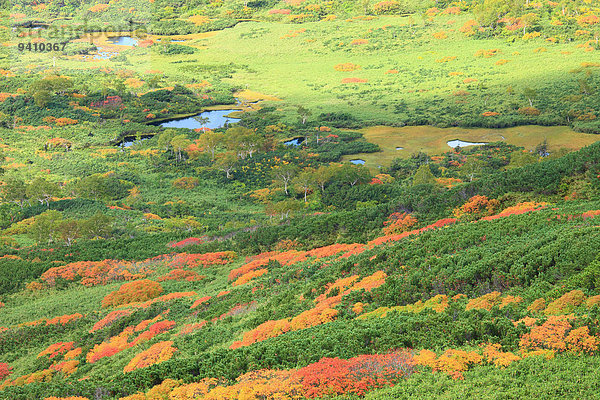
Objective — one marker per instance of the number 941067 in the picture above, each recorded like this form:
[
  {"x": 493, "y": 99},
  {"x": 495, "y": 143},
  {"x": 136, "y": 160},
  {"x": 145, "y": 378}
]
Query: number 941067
[{"x": 41, "y": 47}]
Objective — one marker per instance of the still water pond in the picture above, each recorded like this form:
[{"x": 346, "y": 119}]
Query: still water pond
[
  {"x": 215, "y": 119},
  {"x": 123, "y": 41}
]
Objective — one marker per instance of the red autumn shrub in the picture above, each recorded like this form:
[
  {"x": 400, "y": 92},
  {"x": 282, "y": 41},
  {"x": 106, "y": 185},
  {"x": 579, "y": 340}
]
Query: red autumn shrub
[
  {"x": 334, "y": 376},
  {"x": 186, "y": 242},
  {"x": 5, "y": 370}
]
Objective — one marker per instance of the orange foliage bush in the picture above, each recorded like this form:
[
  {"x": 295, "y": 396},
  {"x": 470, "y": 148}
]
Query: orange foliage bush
[
  {"x": 94, "y": 273},
  {"x": 181, "y": 275},
  {"x": 157, "y": 353},
  {"x": 56, "y": 349},
  {"x": 137, "y": 291},
  {"x": 98, "y": 8},
  {"x": 394, "y": 238},
  {"x": 593, "y": 301},
  {"x": 487, "y": 53},
  {"x": 453, "y": 362},
  {"x": 38, "y": 376},
  {"x": 322, "y": 313},
  {"x": 286, "y": 258},
  {"x": 65, "y": 121},
  {"x": 327, "y": 377},
  {"x": 200, "y": 301},
  {"x": 347, "y": 67},
  {"x": 109, "y": 319},
  {"x": 510, "y": 300},
  {"x": 445, "y": 59},
  {"x": 556, "y": 334},
  {"x": 334, "y": 249},
  {"x": 565, "y": 304},
  {"x": 247, "y": 277},
  {"x": 165, "y": 298},
  {"x": 518, "y": 209},
  {"x": 158, "y": 392},
  {"x": 189, "y": 328},
  {"x": 494, "y": 355},
  {"x": 182, "y": 260},
  {"x": 398, "y": 223},
  {"x": 385, "y": 6},
  {"x": 69, "y": 355},
  {"x": 64, "y": 319},
  {"x": 485, "y": 302},
  {"x": 115, "y": 345},
  {"x": 469, "y": 27},
  {"x": 537, "y": 305}
]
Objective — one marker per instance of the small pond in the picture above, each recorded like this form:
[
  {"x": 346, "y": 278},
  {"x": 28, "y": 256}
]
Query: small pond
[
  {"x": 294, "y": 142},
  {"x": 215, "y": 119},
  {"x": 102, "y": 54},
  {"x": 460, "y": 143},
  {"x": 358, "y": 161},
  {"x": 123, "y": 41},
  {"x": 399, "y": 148},
  {"x": 129, "y": 141}
]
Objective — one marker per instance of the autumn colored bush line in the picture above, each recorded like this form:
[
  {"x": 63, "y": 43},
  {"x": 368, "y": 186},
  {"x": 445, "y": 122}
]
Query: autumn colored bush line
[
  {"x": 335, "y": 376},
  {"x": 62, "y": 356},
  {"x": 565, "y": 304},
  {"x": 93, "y": 273},
  {"x": 145, "y": 330},
  {"x": 157, "y": 353},
  {"x": 555, "y": 335},
  {"x": 394, "y": 238},
  {"x": 60, "y": 320},
  {"x": 184, "y": 260},
  {"x": 110, "y": 318},
  {"x": 294, "y": 256},
  {"x": 327, "y": 377},
  {"x": 518, "y": 209},
  {"x": 187, "y": 242},
  {"x": 322, "y": 313}
]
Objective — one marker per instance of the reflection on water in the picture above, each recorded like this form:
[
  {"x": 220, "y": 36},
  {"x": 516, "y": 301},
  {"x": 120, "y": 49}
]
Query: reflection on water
[
  {"x": 294, "y": 142},
  {"x": 214, "y": 119},
  {"x": 123, "y": 41},
  {"x": 459, "y": 143}
]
